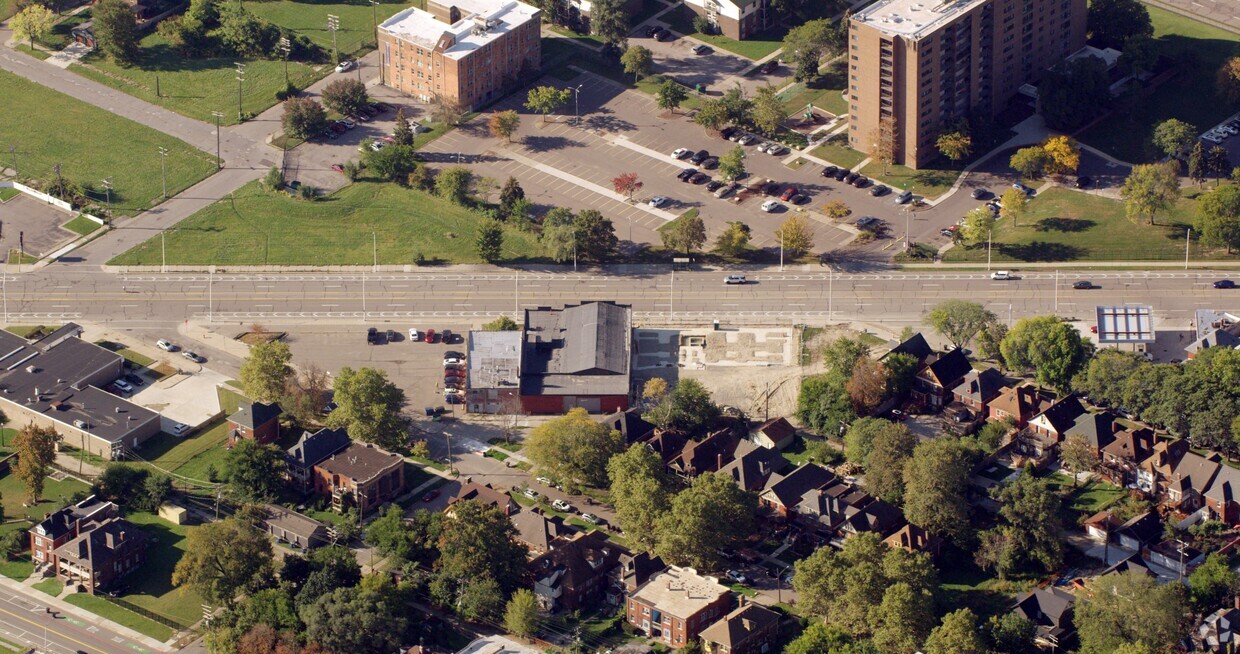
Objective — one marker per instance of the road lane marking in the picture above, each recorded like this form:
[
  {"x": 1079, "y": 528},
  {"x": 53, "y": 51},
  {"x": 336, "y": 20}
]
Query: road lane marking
[{"x": 53, "y": 631}]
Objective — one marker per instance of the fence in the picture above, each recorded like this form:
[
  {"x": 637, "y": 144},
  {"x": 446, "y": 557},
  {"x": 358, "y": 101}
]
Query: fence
[
  {"x": 148, "y": 614},
  {"x": 56, "y": 202}
]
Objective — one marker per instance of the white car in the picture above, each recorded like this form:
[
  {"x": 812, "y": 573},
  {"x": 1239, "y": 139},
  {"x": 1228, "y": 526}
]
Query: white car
[
  {"x": 763, "y": 146},
  {"x": 590, "y": 518},
  {"x": 746, "y": 139},
  {"x": 532, "y": 494},
  {"x": 735, "y": 279},
  {"x": 378, "y": 145},
  {"x": 561, "y": 505},
  {"x": 414, "y": 335},
  {"x": 179, "y": 429},
  {"x": 1000, "y": 275},
  {"x": 681, "y": 153},
  {"x": 165, "y": 345},
  {"x": 343, "y": 66},
  {"x": 545, "y": 481},
  {"x": 770, "y": 205},
  {"x": 775, "y": 149},
  {"x": 658, "y": 201},
  {"x": 192, "y": 356},
  {"x": 123, "y": 385},
  {"x": 451, "y": 360}
]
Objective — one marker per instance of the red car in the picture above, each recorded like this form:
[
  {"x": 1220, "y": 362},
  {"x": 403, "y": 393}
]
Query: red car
[
  {"x": 770, "y": 66},
  {"x": 788, "y": 193},
  {"x": 389, "y": 139},
  {"x": 430, "y": 336},
  {"x": 338, "y": 168},
  {"x": 430, "y": 495}
]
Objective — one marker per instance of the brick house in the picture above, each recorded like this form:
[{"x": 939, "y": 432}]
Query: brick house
[
  {"x": 485, "y": 495},
  {"x": 540, "y": 533},
  {"x": 1043, "y": 434},
  {"x": 361, "y": 476},
  {"x": 675, "y": 605},
  {"x": 63, "y": 525},
  {"x": 1018, "y": 403},
  {"x": 933, "y": 383},
  {"x": 710, "y": 454},
  {"x": 1050, "y": 611},
  {"x": 1122, "y": 455},
  {"x": 978, "y": 389},
  {"x": 258, "y": 421},
  {"x": 753, "y": 465},
  {"x": 783, "y": 493},
  {"x": 309, "y": 450},
  {"x": 575, "y": 574},
  {"x": 96, "y": 558},
  {"x": 915, "y": 539},
  {"x": 1188, "y": 482},
  {"x": 750, "y": 629},
  {"x": 840, "y": 510}
]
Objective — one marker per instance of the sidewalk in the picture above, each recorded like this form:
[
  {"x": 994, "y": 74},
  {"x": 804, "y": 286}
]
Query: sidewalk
[{"x": 39, "y": 598}]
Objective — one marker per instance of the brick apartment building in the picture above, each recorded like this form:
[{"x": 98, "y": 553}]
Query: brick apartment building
[
  {"x": 96, "y": 558},
  {"x": 469, "y": 51},
  {"x": 923, "y": 65},
  {"x": 63, "y": 525},
  {"x": 735, "y": 19},
  {"x": 360, "y": 476},
  {"x": 675, "y": 605}
]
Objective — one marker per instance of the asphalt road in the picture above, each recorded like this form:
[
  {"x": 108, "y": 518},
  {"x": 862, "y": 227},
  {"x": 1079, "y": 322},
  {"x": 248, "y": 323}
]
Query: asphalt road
[
  {"x": 141, "y": 300},
  {"x": 23, "y": 620}
]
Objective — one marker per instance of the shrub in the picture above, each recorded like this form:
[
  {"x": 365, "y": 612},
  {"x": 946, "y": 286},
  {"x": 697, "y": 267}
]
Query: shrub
[
  {"x": 701, "y": 24},
  {"x": 307, "y": 192},
  {"x": 274, "y": 179}
]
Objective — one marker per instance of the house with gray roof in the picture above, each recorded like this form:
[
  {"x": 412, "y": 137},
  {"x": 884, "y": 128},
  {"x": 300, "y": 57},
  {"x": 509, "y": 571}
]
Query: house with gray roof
[
  {"x": 294, "y": 529},
  {"x": 1219, "y": 631},
  {"x": 309, "y": 450},
  {"x": 1050, "y": 611}
]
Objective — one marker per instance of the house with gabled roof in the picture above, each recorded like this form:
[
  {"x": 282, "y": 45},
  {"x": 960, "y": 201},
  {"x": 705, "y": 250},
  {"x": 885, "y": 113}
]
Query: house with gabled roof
[
  {"x": 98, "y": 557},
  {"x": 630, "y": 424},
  {"x": 1050, "y": 611},
  {"x": 840, "y": 510},
  {"x": 1019, "y": 403},
  {"x": 783, "y": 493},
  {"x": 483, "y": 494},
  {"x": 916, "y": 347},
  {"x": 255, "y": 421},
  {"x": 752, "y": 465},
  {"x": 775, "y": 434},
  {"x": 912, "y": 538},
  {"x": 707, "y": 455},
  {"x": 1097, "y": 429},
  {"x": 749, "y": 629},
  {"x": 539, "y": 532},
  {"x": 1189, "y": 482},
  {"x": 575, "y": 573},
  {"x": 667, "y": 443},
  {"x": 1041, "y": 438},
  {"x": 934, "y": 381},
  {"x": 1125, "y": 452},
  {"x": 978, "y": 389},
  {"x": 310, "y": 449}
]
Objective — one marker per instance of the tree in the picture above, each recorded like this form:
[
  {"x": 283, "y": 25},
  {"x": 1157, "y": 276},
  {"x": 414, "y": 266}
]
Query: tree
[
  {"x": 1052, "y": 348},
  {"x": 1212, "y": 584},
  {"x": 1030, "y": 161},
  {"x": 901, "y": 370},
  {"x": 819, "y": 638},
  {"x": 559, "y": 236},
  {"x": 1072, "y": 93},
  {"x": 955, "y": 145},
  {"x": 711, "y": 514},
  {"x": 388, "y": 535},
  {"x": 477, "y": 543},
  {"x": 402, "y": 132},
  {"x": 1140, "y": 55},
  {"x": 546, "y": 99},
  {"x": 890, "y": 451},
  {"x": 737, "y": 105},
  {"x": 453, "y": 184},
  {"x": 503, "y": 124},
  {"x": 610, "y": 22},
  {"x": 808, "y": 42},
  {"x": 859, "y": 440},
  {"x": 637, "y": 61},
  {"x": 35, "y": 448},
  {"x": 222, "y": 559},
  {"x": 345, "y": 96},
  {"x": 446, "y": 110},
  {"x": 254, "y": 470},
  {"x": 509, "y": 195},
  {"x": 841, "y": 355},
  {"x": 501, "y": 324},
  {"x": 823, "y": 404},
  {"x": 116, "y": 30},
  {"x": 1150, "y": 188},
  {"x": 978, "y": 224},
  {"x": 1078, "y": 456},
  {"x": 1218, "y": 217},
  {"x": 522, "y": 614},
  {"x": 689, "y": 407},
  {"x": 1015, "y": 204},
  {"x": 1010, "y": 633},
  {"x": 356, "y": 620},
  {"x": 1112, "y": 22},
  {"x": 768, "y": 110},
  {"x": 626, "y": 184},
  {"x": 867, "y": 387},
  {"x": 1129, "y": 608},
  {"x": 904, "y": 619},
  {"x": 329, "y": 568},
  {"x": 303, "y": 117},
  {"x": 1107, "y": 376},
  {"x": 1227, "y": 80},
  {"x": 32, "y": 23},
  {"x": 883, "y": 140},
  {"x": 732, "y": 164},
  {"x": 957, "y": 634},
  {"x": 935, "y": 480},
  {"x": 639, "y": 491},
  {"x": 574, "y": 448},
  {"x": 1031, "y": 533},
  {"x": 265, "y": 372},
  {"x": 489, "y": 241},
  {"x": 733, "y": 241},
  {"x": 245, "y": 34},
  {"x": 1218, "y": 162},
  {"x": 368, "y": 407},
  {"x": 595, "y": 236},
  {"x": 959, "y": 320},
  {"x": 393, "y": 163},
  {"x": 671, "y": 94},
  {"x": 687, "y": 233},
  {"x": 1198, "y": 165},
  {"x": 711, "y": 115},
  {"x": 1063, "y": 155},
  {"x": 1173, "y": 136},
  {"x": 796, "y": 235}
]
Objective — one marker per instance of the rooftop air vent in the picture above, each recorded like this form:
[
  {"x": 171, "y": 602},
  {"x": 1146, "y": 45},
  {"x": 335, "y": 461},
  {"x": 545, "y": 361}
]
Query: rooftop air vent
[{"x": 31, "y": 369}]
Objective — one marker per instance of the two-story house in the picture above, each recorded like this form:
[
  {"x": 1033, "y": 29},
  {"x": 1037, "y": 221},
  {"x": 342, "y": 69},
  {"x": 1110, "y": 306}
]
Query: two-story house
[
  {"x": 361, "y": 476},
  {"x": 1041, "y": 438},
  {"x": 1050, "y": 611},
  {"x": 310, "y": 449},
  {"x": 933, "y": 383},
  {"x": 1189, "y": 482},
  {"x": 978, "y": 389},
  {"x": 540, "y": 533},
  {"x": 752, "y": 465},
  {"x": 783, "y": 493},
  {"x": 1125, "y": 452},
  {"x": 575, "y": 574},
  {"x": 840, "y": 510},
  {"x": 485, "y": 495},
  {"x": 1018, "y": 404},
  {"x": 255, "y": 421},
  {"x": 63, "y": 525},
  {"x": 675, "y": 605},
  {"x": 96, "y": 558},
  {"x": 707, "y": 455},
  {"x": 749, "y": 629}
]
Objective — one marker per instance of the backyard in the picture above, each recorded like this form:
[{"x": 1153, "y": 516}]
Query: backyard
[
  {"x": 263, "y": 227},
  {"x": 56, "y": 493},
  {"x": 51, "y": 128},
  {"x": 151, "y": 587},
  {"x": 190, "y": 457},
  {"x": 1065, "y": 225},
  {"x": 837, "y": 151},
  {"x": 1128, "y": 138}
]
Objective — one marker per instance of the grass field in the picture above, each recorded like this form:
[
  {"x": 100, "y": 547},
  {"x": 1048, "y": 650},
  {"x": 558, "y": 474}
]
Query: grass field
[
  {"x": 753, "y": 48},
  {"x": 340, "y": 229},
  {"x": 109, "y": 611},
  {"x": 7, "y": 194},
  {"x": 836, "y": 150},
  {"x": 196, "y": 87},
  {"x": 1129, "y": 139},
  {"x": 52, "y": 586},
  {"x": 136, "y": 358},
  {"x": 55, "y": 495},
  {"x": 309, "y": 19},
  {"x": 929, "y": 183},
  {"x": 189, "y": 457},
  {"x": 825, "y": 93},
  {"x": 37, "y": 54},
  {"x": 51, "y": 128},
  {"x": 82, "y": 226},
  {"x": 1065, "y": 225},
  {"x": 151, "y": 587}
]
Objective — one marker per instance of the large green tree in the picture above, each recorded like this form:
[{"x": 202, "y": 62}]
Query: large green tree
[
  {"x": 345, "y": 96},
  {"x": 1032, "y": 529},
  {"x": 1173, "y": 136},
  {"x": 859, "y": 440},
  {"x": 687, "y": 407},
  {"x": 640, "y": 492},
  {"x": 478, "y": 542},
  {"x": 356, "y": 620},
  {"x": 671, "y": 95},
  {"x": 574, "y": 448},
  {"x": 768, "y": 110},
  {"x": 1107, "y": 376},
  {"x": 610, "y": 22},
  {"x": 254, "y": 470},
  {"x": 368, "y": 406},
  {"x": 595, "y": 236},
  {"x": 33, "y": 22},
  {"x": 935, "y": 481},
  {"x": 35, "y": 448},
  {"x": 807, "y": 43},
  {"x": 884, "y": 474},
  {"x": 265, "y": 372},
  {"x": 522, "y": 614},
  {"x": 824, "y": 405},
  {"x": 1212, "y": 584},
  {"x": 116, "y": 29},
  {"x": 637, "y": 61},
  {"x": 1071, "y": 93},
  {"x": 1149, "y": 189},
  {"x": 977, "y": 225},
  {"x": 1112, "y": 22},
  {"x": 733, "y": 241},
  {"x": 959, "y": 320},
  {"x": 1218, "y": 217},
  {"x": 903, "y": 619},
  {"x": 687, "y": 233},
  {"x": 546, "y": 99},
  {"x": 1053, "y": 349},
  {"x": 489, "y": 241},
  {"x": 1030, "y": 162},
  {"x": 223, "y": 559},
  {"x": 957, "y": 634},
  {"x": 732, "y": 164},
  {"x": 711, "y": 514},
  {"x": 1129, "y": 608},
  {"x": 303, "y": 117}
]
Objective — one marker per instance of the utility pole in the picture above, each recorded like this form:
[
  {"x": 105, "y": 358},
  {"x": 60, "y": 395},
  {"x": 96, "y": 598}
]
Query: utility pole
[
  {"x": 240, "y": 81},
  {"x": 163, "y": 253},
  {"x": 163, "y": 168},
  {"x": 107, "y": 188},
  {"x": 375, "y": 248},
  {"x": 577, "y": 104},
  {"x": 988, "y": 232},
  {"x": 285, "y": 47},
  {"x": 333, "y": 24},
  {"x": 219, "y": 160},
  {"x": 1187, "y": 234},
  {"x": 781, "y": 250}
]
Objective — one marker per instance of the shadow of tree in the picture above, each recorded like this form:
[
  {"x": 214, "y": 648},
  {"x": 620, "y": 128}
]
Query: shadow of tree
[
  {"x": 536, "y": 143},
  {"x": 1060, "y": 224},
  {"x": 1040, "y": 251}
]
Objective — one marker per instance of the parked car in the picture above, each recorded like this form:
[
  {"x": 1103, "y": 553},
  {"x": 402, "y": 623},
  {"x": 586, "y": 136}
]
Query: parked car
[
  {"x": 880, "y": 189},
  {"x": 179, "y": 429},
  {"x": 681, "y": 153},
  {"x": 338, "y": 168},
  {"x": 866, "y": 222},
  {"x": 1082, "y": 285},
  {"x": 450, "y": 354},
  {"x": 746, "y": 139},
  {"x": 447, "y": 336},
  {"x": 946, "y": 232},
  {"x": 770, "y": 66},
  {"x": 348, "y": 124},
  {"x": 1224, "y": 284},
  {"x": 453, "y": 360},
  {"x": 430, "y": 495},
  {"x": 652, "y": 30},
  {"x": 776, "y": 149},
  {"x": 713, "y": 185},
  {"x": 980, "y": 194},
  {"x": 1084, "y": 181},
  {"x": 830, "y": 171},
  {"x": 123, "y": 385},
  {"x": 453, "y": 398},
  {"x": 378, "y": 145},
  {"x": 531, "y": 493},
  {"x": 735, "y": 279},
  {"x": 390, "y": 335},
  {"x": 851, "y": 177},
  {"x": 700, "y": 49},
  {"x": 710, "y": 163},
  {"x": 414, "y": 335},
  {"x": 770, "y": 205},
  {"x": 698, "y": 178},
  {"x": 861, "y": 181},
  {"x": 590, "y": 518},
  {"x": 561, "y": 505},
  {"x": 344, "y": 66},
  {"x": 904, "y": 197},
  {"x": 698, "y": 157},
  {"x": 165, "y": 345},
  {"x": 842, "y": 174},
  {"x": 192, "y": 356},
  {"x": 737, "y": 576},
  {"x": 134, "y": 379},
  {"x": 762, "y": 147},
  {"x": 372, "y": 336},
  {"x": 685, "y": 174},
  {"x": 726, "y": 189},
  {"x": 1021, "y": 187},
  {"x": 736, "y": 135},
  {"x": 658, "y": 201},
  {"x": 788, "y": 193},
  {"x": 430, "y": 336},
  {"x": 799, "y": 198},
  {"x": 727, "y": 132}
]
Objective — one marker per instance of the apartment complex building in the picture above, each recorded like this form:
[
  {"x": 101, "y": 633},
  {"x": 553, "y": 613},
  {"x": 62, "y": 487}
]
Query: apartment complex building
[
  {"x": 468, "y": 51},
  {"x": 916, "y": 67},
  {"x": 735, "y": 19}
]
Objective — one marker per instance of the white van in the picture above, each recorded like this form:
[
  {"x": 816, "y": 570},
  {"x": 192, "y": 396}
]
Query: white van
[
  {"x": 1000, "y": 275},
  {"x": 904, "y": 197}
]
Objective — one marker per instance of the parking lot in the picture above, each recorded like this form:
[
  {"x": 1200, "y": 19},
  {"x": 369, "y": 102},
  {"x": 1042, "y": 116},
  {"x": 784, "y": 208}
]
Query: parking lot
[
  {"x": 716, "y": 70},
  {"x": 24, "y": 219},
  {"x": 1225, "y": 134}
]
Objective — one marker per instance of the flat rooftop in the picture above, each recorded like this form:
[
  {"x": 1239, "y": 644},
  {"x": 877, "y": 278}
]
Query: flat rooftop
[
  {"x": 681, "y": 592},
  {"x": 1126, "y": 324},
  {"x": 494, "y": 359},
  {"x": 913, "y": 19},
  {"x": 482, "y": 21}
]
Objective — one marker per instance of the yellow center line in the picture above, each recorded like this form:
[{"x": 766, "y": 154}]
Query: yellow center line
[{"x": 49, "y": 630}]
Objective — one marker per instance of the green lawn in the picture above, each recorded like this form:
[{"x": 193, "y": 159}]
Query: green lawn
[
  {"x": 8, "y": 193},
  {"x": 340, "y": 229},
  {"x": 109, "y": 611},
  {"x": 62, "y": 33},
  {"x": 151, "y": 586},
  {"x": 1066, "y": 225},
  {"x": 25, "y": 330},
  {"x": 51, "y": 128},
  {"x": 309, "y": 19},
  {"x": 37, "y": 54},
  {"x": 929, "y": 183},
  {"x": 753, "y": 48},
  {"x": 189, "y": 457},
  {"x": 82, "y": 226},
  {"x": 196, "y": 87},
  {"x": 1087, "y": 498},
  {"x": 136, "y": 358},
  {"x": 55, "y": 495},
  {"x": 231, "y": 400},
  {"x": 52, "y": 586},
  {"x": 828, "y": 98},
  {"x": 836, "y": 150},
  {"x": 1128, "y": 139},
  {"x": 20, "y": 568},
  {"x": 589, "y": 40}
]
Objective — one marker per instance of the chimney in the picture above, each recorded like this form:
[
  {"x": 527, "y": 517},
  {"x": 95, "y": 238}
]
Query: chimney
[{"x": 719, "y": 461}]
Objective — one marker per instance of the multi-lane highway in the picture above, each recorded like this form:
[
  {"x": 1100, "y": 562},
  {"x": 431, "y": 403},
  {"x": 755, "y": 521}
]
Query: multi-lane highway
[
  {"x": 27, "y": 622},
  {"x": 805, "y": 296}
]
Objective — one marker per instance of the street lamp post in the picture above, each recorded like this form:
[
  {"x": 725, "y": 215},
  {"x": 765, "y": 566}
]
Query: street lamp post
[
  {"x": 1187, "y": 238},
  {"x": 333, "y": 25},
  {"x": 285, "y": 47},
  {"x": 988, "y": 243},
  {"x": 781, "y": 250},
  {"x": 577, "y": 104},
  {"x": 374, "y": 238},
  {"x": 163, "y": 254},
  {"x": 107, "y": 188},
  {"x": 374, "y": 17},
  {"x": 219, "y": 159},
  {"x": 163, "y": 168},
  {"x": 240, "y": 82}
]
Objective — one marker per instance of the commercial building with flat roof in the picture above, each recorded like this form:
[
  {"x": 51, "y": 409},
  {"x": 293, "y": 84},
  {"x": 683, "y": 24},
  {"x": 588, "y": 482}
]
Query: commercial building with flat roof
[
  {"x": 494, "y": 371},
  {"x": 469, "y": 51},
  {"x": 53, "y": 382},
  {"x": 1130, "y": 324},
  {"x": 675, "y": 605},
  {"x": 916, "y": 68}
]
